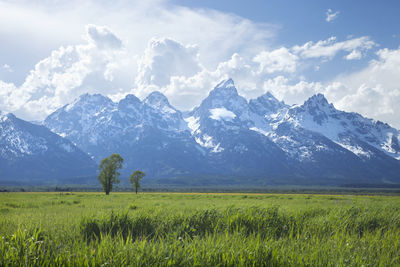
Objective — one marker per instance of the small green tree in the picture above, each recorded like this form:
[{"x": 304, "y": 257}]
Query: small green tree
[
  {"x": 135, "y": 179},
  {"x": 109, "y": 172}
]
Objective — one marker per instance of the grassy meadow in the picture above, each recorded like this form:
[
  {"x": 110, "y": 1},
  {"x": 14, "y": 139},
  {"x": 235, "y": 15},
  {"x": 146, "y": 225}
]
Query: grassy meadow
[{"x": 178, "y": 229}]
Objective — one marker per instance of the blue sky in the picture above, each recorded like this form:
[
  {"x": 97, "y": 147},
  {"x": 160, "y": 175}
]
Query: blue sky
[
  {"x": 300, "y": 22},
  {"x": 303, "y": 21},
  {"x": 53, "y": 51}
]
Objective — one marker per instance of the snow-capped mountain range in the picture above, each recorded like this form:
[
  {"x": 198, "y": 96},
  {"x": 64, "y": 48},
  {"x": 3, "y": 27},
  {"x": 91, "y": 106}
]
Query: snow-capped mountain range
[
  {"x": 31, "y": 153},
  {"x": 226, "y": 139}
]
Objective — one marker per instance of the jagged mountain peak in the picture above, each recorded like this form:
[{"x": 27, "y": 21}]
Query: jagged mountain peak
[
  {"x": 129, "y": 100},
  {"x": 156, "y": 96},
  {"x": 225, "y": 88},
  {"x": 93, "y": 98},
  {"x": 351, "y": 130},
  {"x": 317, "y": 106},
  {"x": 4, "y": 116},
  {"x": 269, "y": 95},
  {"x": 316, "y": 100},
  {"x": 159, "y": 101},
  {"x": 226, "y": 83},
  {"x": 33, "y": 152},
  {"x": 266, "y": 103},
  {"x": 96, "y": 100},
  {"x": 130, "y": 104},
  {"x": 228, "y": 129},
  {"x": 223, "y": 96},
  {"x": 156, "y": 99}
]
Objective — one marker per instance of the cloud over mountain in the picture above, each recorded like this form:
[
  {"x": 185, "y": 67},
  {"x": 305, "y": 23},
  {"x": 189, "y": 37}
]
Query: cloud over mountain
[
  {"x": 67, "y": 73},
  {"x": 102, "y": 37},
  {"x": 265, "y": 139},
  {"x": 116, "y": 61},
  {"x": 165, "y": 58}
]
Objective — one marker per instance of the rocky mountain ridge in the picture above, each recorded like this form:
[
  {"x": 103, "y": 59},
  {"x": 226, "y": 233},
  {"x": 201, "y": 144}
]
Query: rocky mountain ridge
[
  {"x": 32, "y": 153},
  {"x": 261, "y": 141}
]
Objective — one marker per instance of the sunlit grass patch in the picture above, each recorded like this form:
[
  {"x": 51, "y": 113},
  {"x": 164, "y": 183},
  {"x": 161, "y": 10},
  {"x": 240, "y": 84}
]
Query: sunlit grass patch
[{"x": 198, "y": 229}]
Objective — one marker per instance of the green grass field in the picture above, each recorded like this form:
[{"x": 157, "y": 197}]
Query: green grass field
[{"x": 166, "y": 229}]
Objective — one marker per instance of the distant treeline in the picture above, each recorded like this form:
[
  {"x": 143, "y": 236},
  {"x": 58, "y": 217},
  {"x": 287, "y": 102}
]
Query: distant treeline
[
  {"x": 371, "y": 186},
  {"x": 376, "y": 189}
]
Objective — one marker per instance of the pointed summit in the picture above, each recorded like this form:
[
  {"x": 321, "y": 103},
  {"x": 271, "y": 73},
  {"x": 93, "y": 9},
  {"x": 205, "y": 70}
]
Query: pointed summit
[
  {"x": 266, "y": 104},
  {"x": 131, "y": 98},
  {"x": 226, "y": 83},
  {"x": 156, "y": 98},
  {"x": 316, "y": 100},
  {"x": 225, "y": 88},
  {"x": 4, "y": 116},
  {"x": 129, "y": 104},
  {"x": 225, "y": 96},
  {"x": 80, "y": 115},
  {"x": 91, "y": 100},
  {"x": 160, "y": 102},
  {"x": 318, "y": 103},
  {"x": 317, "y": 106},
  {"x": 269, "y": 95}
]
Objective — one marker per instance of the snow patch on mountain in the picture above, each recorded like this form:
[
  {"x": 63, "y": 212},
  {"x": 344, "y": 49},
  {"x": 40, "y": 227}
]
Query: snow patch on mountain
[
  {"x": 227, "y": 129},
  {"x": 258, "y": 130},
  {"x": 222, "y": 114},
  {"x": 317, "y": 115},
  {"x": 207, "y": 142},
  {"x": 330, "y": 128},
  {"x": 193, "y": 124},
  {"x": 293, "y": 148},
  {"x": 357, "y": 150},
  {"x": 16, "y": 142}
]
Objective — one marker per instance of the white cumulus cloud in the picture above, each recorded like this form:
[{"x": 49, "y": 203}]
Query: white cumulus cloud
[
  {"x": 330, "y": 47},
  {"x": 375, "y": 90},
  {"x": 331, "y": 16},
  {"x": 165, "y": 58},
  {"x": 102, "y": 37},
  {"x": 50, "y": 24},
  {"x": 279, "y": 60},
  {"x": 185, "y": 67},
  {"x": 292, "y": 93},
  {"x": 254, "y": 75},
  {"x": 355, "y": 54},
  {"x": 67, "y": 73}
]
